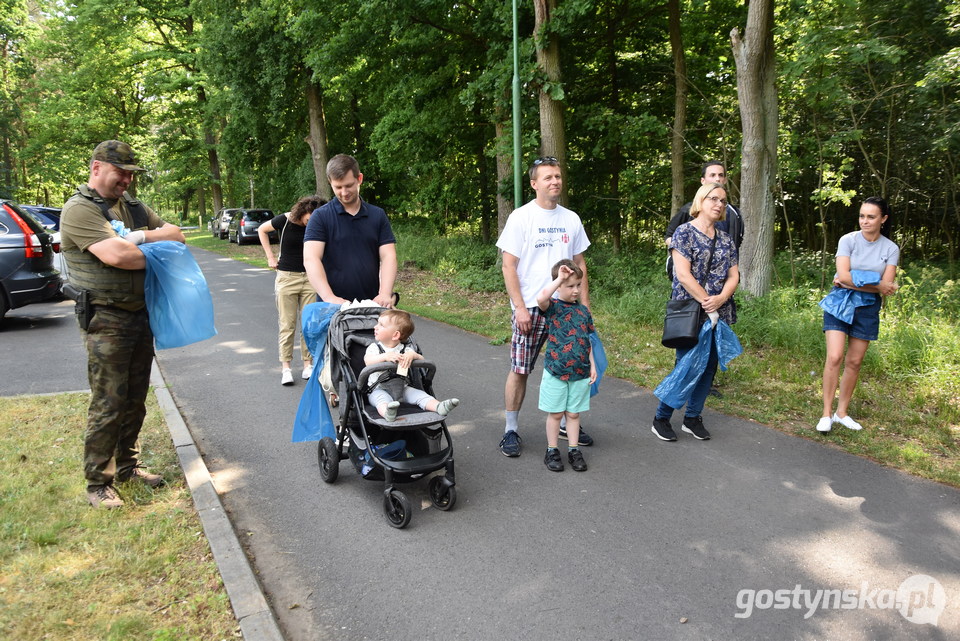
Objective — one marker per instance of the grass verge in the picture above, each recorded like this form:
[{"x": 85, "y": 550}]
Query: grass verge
[
  {"x": 911, "y": 420},
  {"x": 72, "y": 572}
]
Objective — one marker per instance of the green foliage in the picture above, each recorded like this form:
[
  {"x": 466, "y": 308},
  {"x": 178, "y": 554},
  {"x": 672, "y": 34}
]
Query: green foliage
[{"x": 419, "y": 91}]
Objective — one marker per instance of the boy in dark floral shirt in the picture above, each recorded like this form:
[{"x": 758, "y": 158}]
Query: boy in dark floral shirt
[{"x": 568, "y": 362}]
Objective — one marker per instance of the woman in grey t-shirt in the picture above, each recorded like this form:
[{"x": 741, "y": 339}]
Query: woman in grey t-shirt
[{"x": 867, "y": 250}]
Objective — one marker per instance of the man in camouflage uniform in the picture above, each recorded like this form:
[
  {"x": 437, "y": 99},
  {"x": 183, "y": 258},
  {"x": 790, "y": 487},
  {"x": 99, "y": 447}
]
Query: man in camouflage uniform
[{"x": 117, "y": 334}]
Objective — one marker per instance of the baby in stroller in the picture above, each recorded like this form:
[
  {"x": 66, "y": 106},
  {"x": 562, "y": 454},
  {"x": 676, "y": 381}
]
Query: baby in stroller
[{"x": 393, "y": 329}]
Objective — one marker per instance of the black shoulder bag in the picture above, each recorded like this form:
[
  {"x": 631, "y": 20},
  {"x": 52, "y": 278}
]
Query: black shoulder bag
[{"x": 681, "y": 325}]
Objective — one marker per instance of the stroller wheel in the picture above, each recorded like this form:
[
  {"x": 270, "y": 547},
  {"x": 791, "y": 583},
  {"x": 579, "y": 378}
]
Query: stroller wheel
[
  {"x": 443, "y": 494},
  {"x": 396, "y": 507},
  {"x": 329, "y": 458}
]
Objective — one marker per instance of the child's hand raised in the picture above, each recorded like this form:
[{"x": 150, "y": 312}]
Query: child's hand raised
[{"x": 564, "y": 272}]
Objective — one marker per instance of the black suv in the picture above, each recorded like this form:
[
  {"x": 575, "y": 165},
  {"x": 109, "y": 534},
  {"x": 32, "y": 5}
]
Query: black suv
[
  {"x": 26, "y": 260},
  {"x": 243, "y": 227}
]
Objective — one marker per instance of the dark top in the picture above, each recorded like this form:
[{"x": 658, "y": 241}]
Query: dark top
[
  {"x": 291, "y": 244},
  {"x": 351, "y": 256}
]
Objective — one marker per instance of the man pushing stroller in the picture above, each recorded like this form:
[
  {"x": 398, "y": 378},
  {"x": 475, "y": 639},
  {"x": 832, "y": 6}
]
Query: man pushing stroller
[{"x": 393, "y": 329}]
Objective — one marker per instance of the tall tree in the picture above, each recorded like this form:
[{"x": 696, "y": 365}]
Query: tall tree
[
  {"x": 553, "y": 140},
  {"x": 677, "y": 137},
  {"x": 756, "y": 87}
]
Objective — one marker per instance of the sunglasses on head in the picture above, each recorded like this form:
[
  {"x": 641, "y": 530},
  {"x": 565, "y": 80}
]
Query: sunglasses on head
[{"x": 545, "y": 160}]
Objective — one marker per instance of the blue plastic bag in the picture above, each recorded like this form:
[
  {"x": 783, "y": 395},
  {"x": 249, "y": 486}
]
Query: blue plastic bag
[
  {"x": 841, "y": 302},
  {"x": 599, "y": 359},
  {"x": 675, "y": 389},
  {"x": 178, "y": 299},
  {"x": 313, "y": 420}
]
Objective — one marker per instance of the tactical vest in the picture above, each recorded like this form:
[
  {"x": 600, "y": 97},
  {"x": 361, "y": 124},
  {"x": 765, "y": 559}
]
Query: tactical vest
[{"x": 109, "y": 285}]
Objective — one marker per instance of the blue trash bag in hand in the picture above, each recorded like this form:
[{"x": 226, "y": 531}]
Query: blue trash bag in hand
[
  {"x": 599, "y": 359},
  {"x": 313, "y": 420},
  {"x": 178, "y": 299},
  {"x": 675, "y": 389},
  {"x": 842, "y": 303}
]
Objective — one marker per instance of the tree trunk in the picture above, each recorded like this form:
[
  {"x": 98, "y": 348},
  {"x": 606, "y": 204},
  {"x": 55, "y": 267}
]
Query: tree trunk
[
  {"x": 214, "y": 169},
  {"x": 202, "y": 203},
  {"x": 318, "y": 140},
  {"x": 756, "y": 89},
  {"x": 679, "y": 108},
  {"x": 504, "y": 173},
  {"x": 552, "y": 137}
]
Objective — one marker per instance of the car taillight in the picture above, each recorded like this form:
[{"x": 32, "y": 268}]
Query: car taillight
[
  {"x": 56, "y": 247},
  {"x": 33, "y": 248}
]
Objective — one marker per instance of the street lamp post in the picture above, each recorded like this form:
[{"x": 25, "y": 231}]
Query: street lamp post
[{"x": 516, "y": 112}]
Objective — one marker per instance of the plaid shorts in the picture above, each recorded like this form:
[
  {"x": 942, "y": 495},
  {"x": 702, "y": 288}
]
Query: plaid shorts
[{"x": 524, "y": 348}]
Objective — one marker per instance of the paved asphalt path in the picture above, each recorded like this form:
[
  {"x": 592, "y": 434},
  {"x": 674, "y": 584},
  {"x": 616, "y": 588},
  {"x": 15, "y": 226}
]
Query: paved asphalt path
[{"x": 656, "y": 541}]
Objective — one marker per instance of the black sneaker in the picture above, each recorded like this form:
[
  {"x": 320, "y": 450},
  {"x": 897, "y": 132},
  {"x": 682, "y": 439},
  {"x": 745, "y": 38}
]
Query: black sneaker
[
  {"x": 585, "y": 439},
  {"x": 575, "y": 456},
  {"x": 661, "y": 428},
  {"x": 510, "y": 444},
  {"x": 553, "y": 461},
  {"x": 695, "y": 426}
]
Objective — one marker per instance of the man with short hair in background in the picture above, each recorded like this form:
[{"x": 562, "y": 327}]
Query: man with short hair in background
[
  {"x": 109, "y": 271},
  {"x": 712, "y": 172}
]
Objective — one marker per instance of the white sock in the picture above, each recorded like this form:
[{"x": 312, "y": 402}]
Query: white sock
[
  {"x": 511, "y": 420},
  {"x": 391, "y": 413},
  {"x": 445, "y": 406}
]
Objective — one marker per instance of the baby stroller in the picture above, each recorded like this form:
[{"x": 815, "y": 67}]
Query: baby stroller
[{"x": 399, "y": 451}]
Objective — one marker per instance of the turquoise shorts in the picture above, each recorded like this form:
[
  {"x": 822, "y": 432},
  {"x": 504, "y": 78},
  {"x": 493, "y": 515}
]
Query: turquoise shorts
[{"x": 564, "y": 396}]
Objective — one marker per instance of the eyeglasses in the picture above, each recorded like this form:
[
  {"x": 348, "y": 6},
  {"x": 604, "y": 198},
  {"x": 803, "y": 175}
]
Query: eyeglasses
[
  {"x": 717, "y": 199},
  {"x": 545, "y": 160}
]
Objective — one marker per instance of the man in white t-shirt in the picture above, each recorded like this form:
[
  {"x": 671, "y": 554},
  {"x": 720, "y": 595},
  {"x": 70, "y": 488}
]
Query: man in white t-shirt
[{"x": 536, "y": 236}]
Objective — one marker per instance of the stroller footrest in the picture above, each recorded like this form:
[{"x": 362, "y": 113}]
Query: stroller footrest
[{"x": 408, "y": 418}]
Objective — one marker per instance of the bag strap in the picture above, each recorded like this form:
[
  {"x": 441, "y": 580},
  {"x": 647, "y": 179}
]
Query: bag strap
[{"x": 280, "y": 248}]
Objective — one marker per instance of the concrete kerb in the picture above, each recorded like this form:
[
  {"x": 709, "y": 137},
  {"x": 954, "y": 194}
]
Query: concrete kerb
[{"x": 256, "y": 619}]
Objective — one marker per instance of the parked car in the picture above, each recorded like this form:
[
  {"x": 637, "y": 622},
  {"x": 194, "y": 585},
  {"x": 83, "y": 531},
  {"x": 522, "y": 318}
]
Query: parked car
[
  {"x": 26, "y": 260},
  {"x": 225, "y": 216},
  {"x": 49, "y": 217},
  {"x": 243, "y": 226}
]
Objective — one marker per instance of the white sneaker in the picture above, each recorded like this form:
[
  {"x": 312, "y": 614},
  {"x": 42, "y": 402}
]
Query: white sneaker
[
  {"x": 847, "y": 422},
  {"x": 825, "y": 424},
  {"x": 307, "y": 372},
  {"x": 286, "y": 378}
]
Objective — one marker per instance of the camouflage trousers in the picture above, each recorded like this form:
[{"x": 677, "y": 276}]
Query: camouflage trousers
[{"x": 119, "y": 357}]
